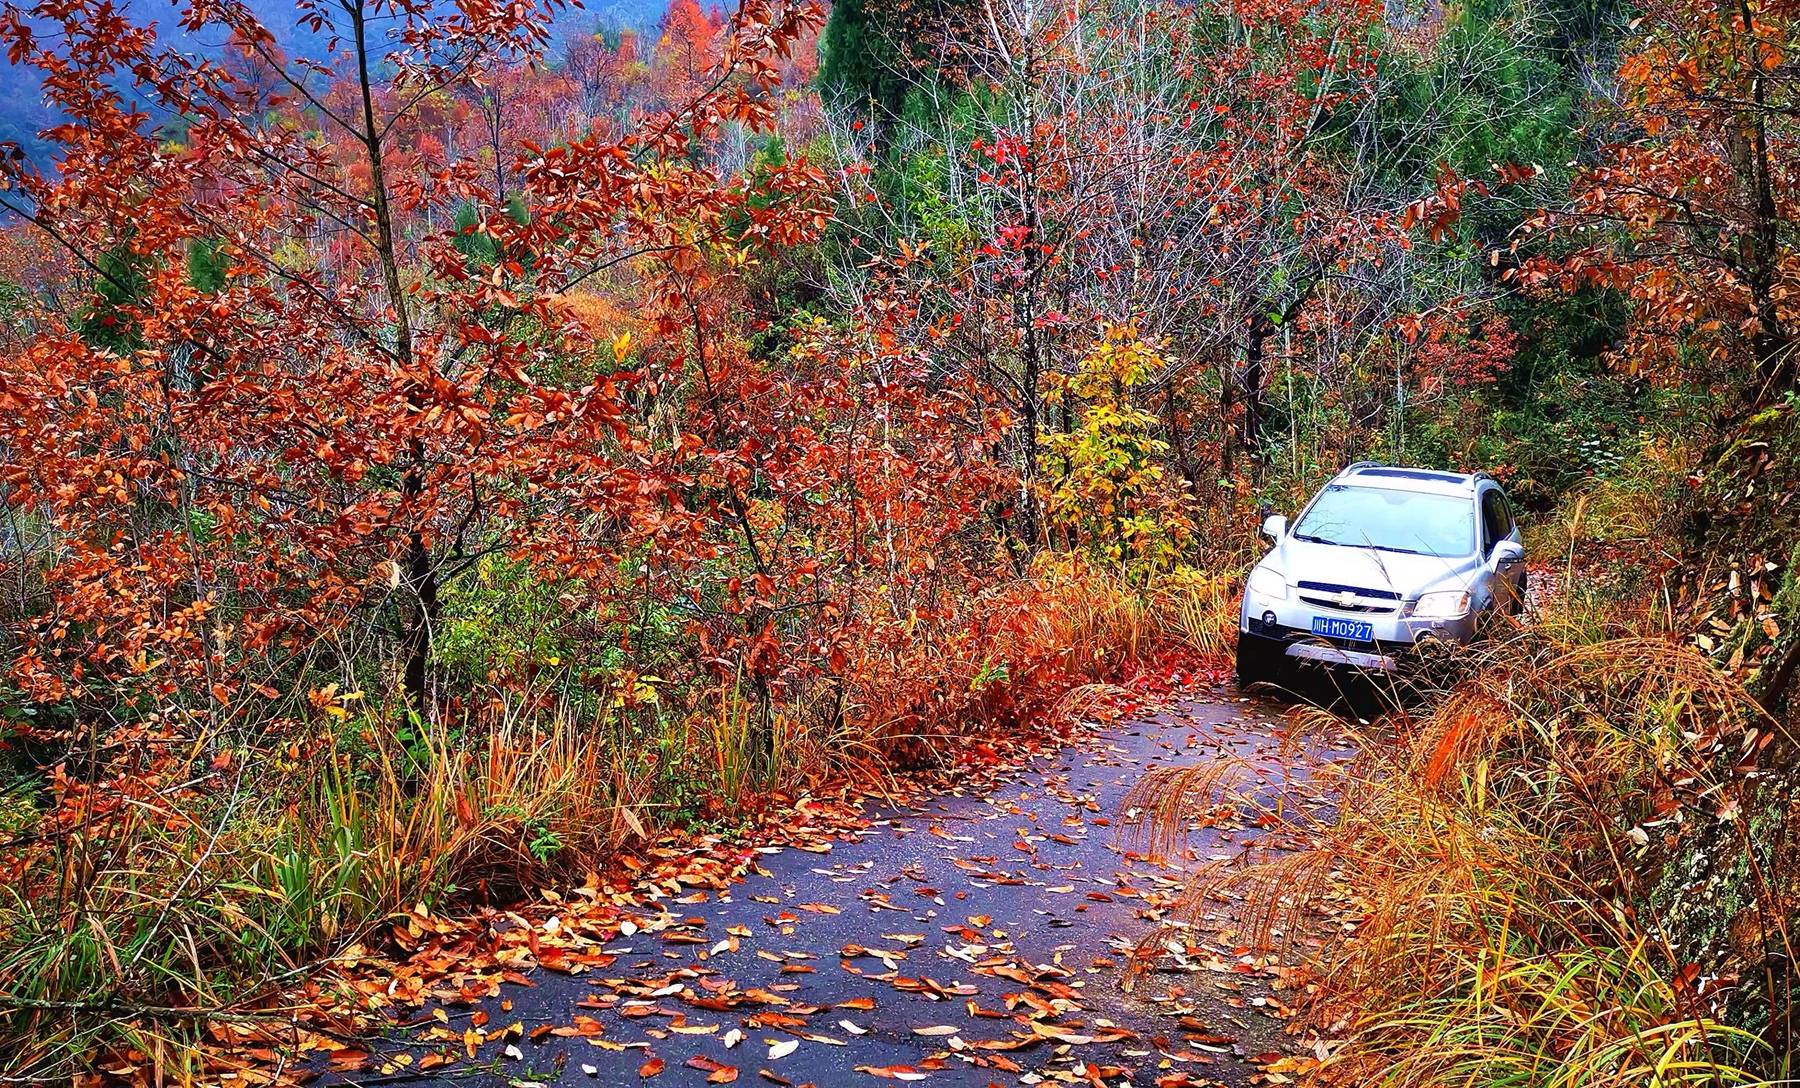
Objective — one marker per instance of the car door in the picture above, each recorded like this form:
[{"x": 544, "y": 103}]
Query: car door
[{"x": 1497, "y": 524}]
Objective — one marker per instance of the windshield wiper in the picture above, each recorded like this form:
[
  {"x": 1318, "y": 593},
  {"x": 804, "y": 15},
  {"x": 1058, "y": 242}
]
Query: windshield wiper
[
  {"x": 1402, "y": 551},
  {"x": 1365, "y": 544},
  {"x": 1347, "y": 544}
]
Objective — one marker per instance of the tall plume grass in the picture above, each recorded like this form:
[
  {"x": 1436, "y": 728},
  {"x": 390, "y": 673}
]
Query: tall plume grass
[
  {"x": 1198, "y": 609},
  {"x": 1500, "y": 893},
  {"x": 1020, "y": 651},
  {"x": 133, "y": 928}
]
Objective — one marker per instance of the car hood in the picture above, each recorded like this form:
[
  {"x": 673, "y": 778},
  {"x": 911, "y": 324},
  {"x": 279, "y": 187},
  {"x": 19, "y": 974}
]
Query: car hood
[{"x": 1370, "y": 568}]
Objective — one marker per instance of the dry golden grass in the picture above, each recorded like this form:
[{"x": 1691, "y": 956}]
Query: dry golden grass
[
  {"x": 1493, "y": 858},
  {"x": 1020, "y": 651},
  {"x": 1198, "y": 610},
  {"x": 135, "y": 929}
]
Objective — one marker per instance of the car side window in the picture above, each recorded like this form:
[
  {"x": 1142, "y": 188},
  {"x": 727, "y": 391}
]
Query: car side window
[{"x": 1496, "y": 520}]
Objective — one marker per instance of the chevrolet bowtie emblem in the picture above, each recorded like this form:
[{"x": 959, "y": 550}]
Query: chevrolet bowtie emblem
[{"x": 1346, "y": 598}]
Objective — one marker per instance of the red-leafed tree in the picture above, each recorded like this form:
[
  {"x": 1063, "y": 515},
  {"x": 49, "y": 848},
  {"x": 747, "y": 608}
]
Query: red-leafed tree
[
  {"x": 683, "y": 57},
  {"x": 351, "y": 406},
  {"x": 1690, "y": 210}
]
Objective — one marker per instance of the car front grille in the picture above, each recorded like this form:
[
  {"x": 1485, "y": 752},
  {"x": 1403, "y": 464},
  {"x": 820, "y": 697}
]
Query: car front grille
[
  {"x": 1329, "y": 595},
  {"x": 1334, "y": 605}
]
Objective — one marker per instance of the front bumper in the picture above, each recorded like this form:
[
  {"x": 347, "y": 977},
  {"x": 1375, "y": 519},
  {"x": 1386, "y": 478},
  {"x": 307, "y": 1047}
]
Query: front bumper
[{"x": 1285, "y": 626}]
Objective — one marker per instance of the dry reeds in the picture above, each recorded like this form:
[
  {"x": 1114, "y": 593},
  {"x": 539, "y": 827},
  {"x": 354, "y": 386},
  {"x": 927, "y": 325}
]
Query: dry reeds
[
  {"x": 136, "y": 928},
  {"x": 1487, "y": 892},
  {"x": 1019, "y": 651}
]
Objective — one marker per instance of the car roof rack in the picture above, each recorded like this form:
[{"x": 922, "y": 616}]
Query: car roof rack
[
  {"x": 1399, "y": 472},
  {"x": 1380, "y": 468}
]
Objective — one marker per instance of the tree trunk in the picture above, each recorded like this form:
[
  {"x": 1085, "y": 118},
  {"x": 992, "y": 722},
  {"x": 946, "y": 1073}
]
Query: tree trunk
[
  {"x": 1028, "y": 438},
  {"x": 1759, "y": 242},
  {"x": 1034, "y": 363},
  {"x": 1228, "y": 384},
  {"x": 421, "y": 572},
  {"x": 421, "y": 576},
  {"x": 1255, "y": 353},
  {"x": 1177, "y": 439}
]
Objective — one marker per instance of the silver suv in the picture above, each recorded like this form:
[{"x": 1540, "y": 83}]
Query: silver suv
[{"x": 1380, "y": 560}]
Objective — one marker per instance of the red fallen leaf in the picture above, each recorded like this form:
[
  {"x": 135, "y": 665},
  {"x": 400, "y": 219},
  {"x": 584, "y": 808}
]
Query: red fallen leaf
[
  {"x": 349, "y": 1059},
  {"x": 775, "y": 1020},
  {"x": 651, "y": 1068},
  {"x": 716, "y": 1072}
]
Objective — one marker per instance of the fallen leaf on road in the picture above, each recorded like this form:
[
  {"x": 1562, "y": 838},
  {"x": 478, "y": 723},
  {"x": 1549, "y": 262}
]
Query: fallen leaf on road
[
  {"x": 716, "y": 1072},
  {"x": 891, "y": 1072}
]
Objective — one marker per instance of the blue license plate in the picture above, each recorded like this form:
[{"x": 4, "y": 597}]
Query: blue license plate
[{"x": 1332, "y": 627}]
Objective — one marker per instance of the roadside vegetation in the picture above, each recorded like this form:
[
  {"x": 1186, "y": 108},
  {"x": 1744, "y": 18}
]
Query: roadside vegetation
[
  {"x": 430, "y": 464},
  {"x": 1568, "y": 860}
]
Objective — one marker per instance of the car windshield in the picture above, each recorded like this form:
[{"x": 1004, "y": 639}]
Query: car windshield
[{"x": 1393, "y": 521}]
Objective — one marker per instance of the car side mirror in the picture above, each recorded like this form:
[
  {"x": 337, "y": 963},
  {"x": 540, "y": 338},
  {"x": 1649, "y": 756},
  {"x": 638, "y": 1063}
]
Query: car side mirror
[
  {"x": 1507, "y": 551},
  {"x": 1274, "y": 527}
]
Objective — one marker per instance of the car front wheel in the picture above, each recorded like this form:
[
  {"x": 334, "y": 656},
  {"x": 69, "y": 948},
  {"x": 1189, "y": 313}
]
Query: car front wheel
[{"x": 1257, "y": 661}]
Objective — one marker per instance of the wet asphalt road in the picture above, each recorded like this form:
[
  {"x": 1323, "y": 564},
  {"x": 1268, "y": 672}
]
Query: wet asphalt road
[{"x": 898, "y": 954}]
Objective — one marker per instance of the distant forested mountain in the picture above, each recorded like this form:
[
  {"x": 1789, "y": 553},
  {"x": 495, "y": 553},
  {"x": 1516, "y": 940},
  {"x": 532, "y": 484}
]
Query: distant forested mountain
[{"x": 23, "y": 113}]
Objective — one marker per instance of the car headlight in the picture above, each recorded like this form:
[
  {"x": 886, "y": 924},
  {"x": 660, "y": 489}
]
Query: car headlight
[
  {"x": 1264, "y": 582},
  {"x": 1452, "y": 604}
]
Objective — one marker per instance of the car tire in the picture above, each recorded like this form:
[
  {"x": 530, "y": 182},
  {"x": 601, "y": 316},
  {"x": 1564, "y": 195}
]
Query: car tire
[{"x": 1257, "y": 663}]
